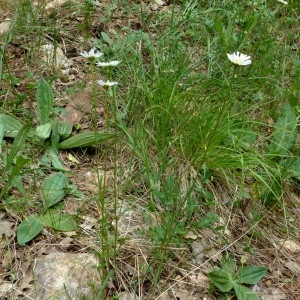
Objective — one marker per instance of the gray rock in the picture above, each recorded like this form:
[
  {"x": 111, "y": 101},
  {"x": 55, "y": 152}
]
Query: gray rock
[{"x": 64, "y": 276}]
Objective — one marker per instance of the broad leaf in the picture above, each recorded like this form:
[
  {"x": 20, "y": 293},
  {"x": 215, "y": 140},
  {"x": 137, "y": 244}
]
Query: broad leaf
[
  {"x": 60, "y": 221},
  {"x": 53, "y": 189},
  {"x": 52, "y": 154},
  {"x": 285, "y": 132},
  {"x": 64, "y": 129},
  {"x": 44, "y": 99},
  {"x": 43, "y": 131},
  {"x": 16, "y": 181},
  {"x": 251, "y": 274},
  {"x": 243, "y": 293},
  {"x": 292, "y": 165},
  {"x": 11, "y": 125},
  {"x": 221, "y": 279},
  {"x": 85, "y": 139},
  {"x": 29, "y": 229},
  {"x": 228, "y": 264}
]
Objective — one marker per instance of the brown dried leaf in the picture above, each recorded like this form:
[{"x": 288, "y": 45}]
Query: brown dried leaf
[
  {"x": 272, "y": 294},
  {"x": 7, "y": 229},
  {"x": 293, "y": 267}
]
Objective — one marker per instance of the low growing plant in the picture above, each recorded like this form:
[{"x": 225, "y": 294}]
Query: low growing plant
[
  {"x": 51, "y": 135},
  {"x": 227, "y": 278}
]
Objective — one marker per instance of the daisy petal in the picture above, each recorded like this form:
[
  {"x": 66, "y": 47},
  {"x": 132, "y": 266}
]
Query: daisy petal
[{"x": 239, "y": 58}]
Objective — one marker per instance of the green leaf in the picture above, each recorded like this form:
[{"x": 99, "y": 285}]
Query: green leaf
[
  {"x": 85, "y": 139},
  {"x": 64, "y": 129},
  {"x": 241, "y": 135},
  {"x": 55, "y": 135},
  {"x": 43, "y": 131},
  {"x": 106, "y": 38},
  {"x": 57, "y": 165},
  {"x": 221, "y": 279},
  {"x": 208, "y": 220},
  {"x": 228, "y": 264},
  {"x": 16, "y": 181},
  {"x": 251, "y": 274},
  {"x": 29, "y": 229},
  {"x": 220, "y": 30},
  {"x": 60, "y": 221},
  {"x": 285, "y": 132},
  {"x": 20, "y": 163},
  {"x": 243, "y": 293},
  {"x": 44, "y": 101},
  {"x": 12, "y": 125},
  {"x": 2, "y": 131},
  {"x": 18, "y": 144},
  {"x": 292, "y": 165},
  {"x": 53, "y": 189}
]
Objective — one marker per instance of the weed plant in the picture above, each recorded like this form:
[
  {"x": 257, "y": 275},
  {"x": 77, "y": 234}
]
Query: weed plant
[{"x": 191, "y": 124}]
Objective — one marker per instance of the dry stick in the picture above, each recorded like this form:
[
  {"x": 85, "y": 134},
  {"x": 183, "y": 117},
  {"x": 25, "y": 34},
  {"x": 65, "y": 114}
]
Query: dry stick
[{"x": 223, "y": 249}]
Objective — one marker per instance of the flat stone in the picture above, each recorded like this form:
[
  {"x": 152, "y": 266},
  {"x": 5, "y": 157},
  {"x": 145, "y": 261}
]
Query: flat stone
[
  {"x": 4, "y": 27},
  {"x": 292, "y": 246},
  {"x": 58, "y": 273}
]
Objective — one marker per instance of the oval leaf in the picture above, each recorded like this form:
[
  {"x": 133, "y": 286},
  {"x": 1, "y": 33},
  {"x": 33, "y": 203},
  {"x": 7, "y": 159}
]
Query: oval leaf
[
  {"x": 60, "y": 221},
  {"x": 43, "y": 131},
  {"x": 243, "y": 293},
  {"x": 52, "y": 190},
  {"x": 29, "y": 229},
  {"x": 44, "y": 99},
  {"x": 11, "y": 125},
  {"x": 251, "y": 274},
  {"x": 65, "y": 129},
  {"x": 221, "y": 279}
]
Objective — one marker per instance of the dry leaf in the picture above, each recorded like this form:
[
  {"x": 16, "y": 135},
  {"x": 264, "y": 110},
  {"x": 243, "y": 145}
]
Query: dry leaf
[
  {"x": 272, "y": 294},
  {"x": 66, "y": 242},
  {"x": 88, "y": 223},
  {"x": 5, "y": 288},
  {"x": 191, "y": 235},
  {"x": 7, "y": 229},
  {"x": 293, "y": 267},
  {"x": 54, "y": 56},
  {"x": 55, "y": 4}
]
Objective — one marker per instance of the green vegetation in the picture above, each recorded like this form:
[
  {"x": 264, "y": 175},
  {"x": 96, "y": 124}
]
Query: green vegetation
[
  {"x": 190, "y": 144},
  {"x": 226, "y": 279}
]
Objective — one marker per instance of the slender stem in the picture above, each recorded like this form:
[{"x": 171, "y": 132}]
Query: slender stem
[{"x": 220, "y": 116}]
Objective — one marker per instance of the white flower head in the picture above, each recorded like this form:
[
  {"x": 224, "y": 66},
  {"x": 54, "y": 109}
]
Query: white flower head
[
  {"x": 239, "y": 58},
  {"x": 283, "y": 2},
  {"x": 107, "y": 84},
  {"x": 92, "y": 54},
  {"x": 108, "y": 64}
]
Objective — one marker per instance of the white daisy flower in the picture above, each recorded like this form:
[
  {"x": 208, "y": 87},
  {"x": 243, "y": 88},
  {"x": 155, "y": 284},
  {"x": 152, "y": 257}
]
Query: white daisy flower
[
  {"x": 239, "y": 58},
  {"x": 92, "y": 54},
  {"x": 107, "y": 84},
  {"x": 283, "y": 2},
  {"x": 108, "y": 64}
]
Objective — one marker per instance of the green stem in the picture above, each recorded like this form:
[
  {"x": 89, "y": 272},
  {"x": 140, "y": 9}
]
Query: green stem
[{"x": 220, "y": 116}]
